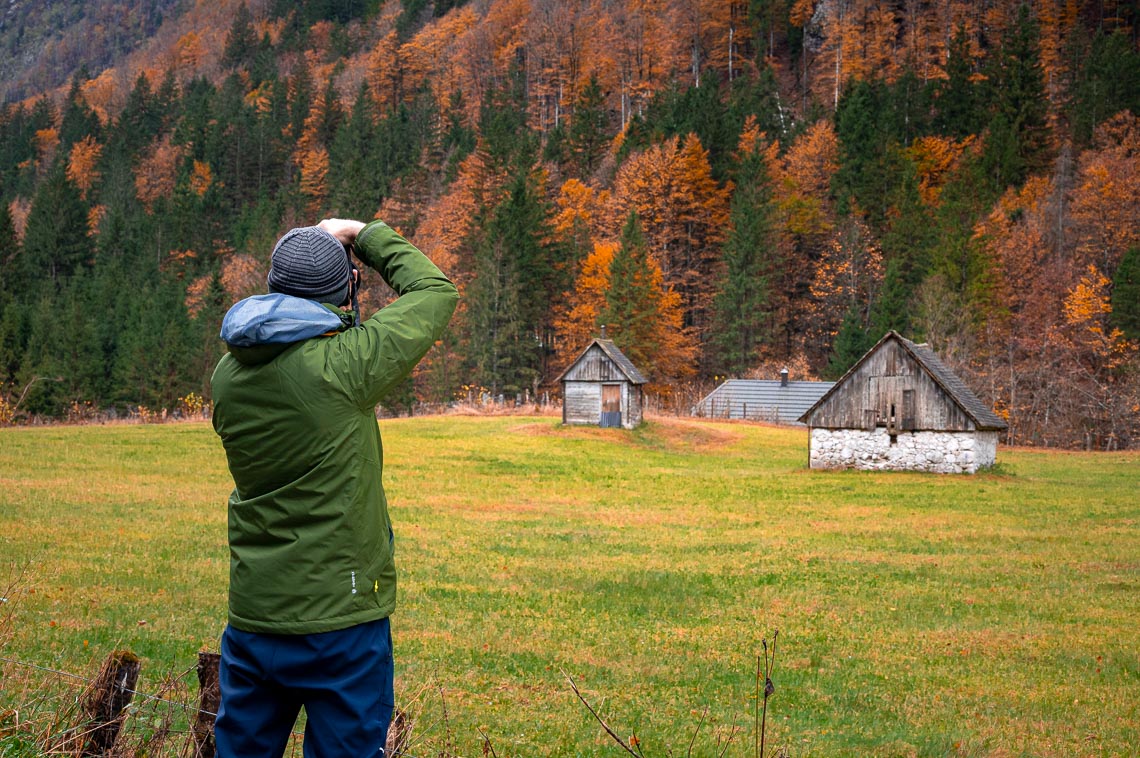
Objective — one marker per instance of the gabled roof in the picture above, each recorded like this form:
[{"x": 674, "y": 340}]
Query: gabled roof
[
  {"x": 980, "y": 413},
  {"x": 625, "y": 365},
  {"x": 762, "y": 398}
]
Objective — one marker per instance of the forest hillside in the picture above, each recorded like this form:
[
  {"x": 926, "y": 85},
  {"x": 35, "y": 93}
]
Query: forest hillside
[{"x": 731, "y": 187}]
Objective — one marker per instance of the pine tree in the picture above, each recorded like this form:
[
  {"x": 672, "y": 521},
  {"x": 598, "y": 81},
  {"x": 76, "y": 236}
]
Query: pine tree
[
  {"x": 14, "y": 328},
  {"x": 156, "y": 359},
  {"x": 890, "y": 310},
  {"x": 78, "y": 119},
  {"x": 587, "y": 137},
  {"x": 355, "y": 179},
  {"x": 521, "y": 223},
  {"x": 910, "y": 231},
  {"x": 167, "y": 103},
  {"x": 500, "y": 348},
  {"x": 9, "y": 249},
  {"x": 516, "y": 281},
  {"x": 11, "y": 307},
  {"x": 870, "y": 164},
  {"x": 241, "y": 41},
  {"x": 139, "y": 121},
  {"x": 742, "y": 301},
  {"x": 300, "y": 99},
  {"x": 850, "y": 344},
  {"x": 1106, "y": 81},
  {"x": 959, "y": 112},
  {"x": 644, "y": 316},
  {"x": 1126, "y": 295},
  {"x": 263, "y": 67},
  {"x": 55, "y": 239},
  {"x": 1019, "y": 141}
]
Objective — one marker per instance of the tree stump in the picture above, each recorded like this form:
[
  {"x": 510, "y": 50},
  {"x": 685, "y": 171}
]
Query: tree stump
[
  {"x": 209, "y": 699},
  {"x": 106, "y": 699}
]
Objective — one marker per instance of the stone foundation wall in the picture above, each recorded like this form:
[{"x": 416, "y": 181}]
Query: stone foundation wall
[{"x": 939, "y": 452}]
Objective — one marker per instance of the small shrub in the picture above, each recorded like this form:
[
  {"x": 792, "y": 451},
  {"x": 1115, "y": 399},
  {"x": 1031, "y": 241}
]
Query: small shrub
[{"x": 193, "y": 406}]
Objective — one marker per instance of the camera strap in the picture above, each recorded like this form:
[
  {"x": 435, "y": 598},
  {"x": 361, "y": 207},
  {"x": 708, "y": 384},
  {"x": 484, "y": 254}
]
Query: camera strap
[{"x": 353, "y": 284}]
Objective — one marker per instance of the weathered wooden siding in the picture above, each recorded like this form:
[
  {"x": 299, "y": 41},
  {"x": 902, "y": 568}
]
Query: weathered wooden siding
[
  {"x": 581, "y": 402},
  {"x": 594, "y": 366},
  {"x": 887, "y": 378},
  {"x": 631, "y": 413}
]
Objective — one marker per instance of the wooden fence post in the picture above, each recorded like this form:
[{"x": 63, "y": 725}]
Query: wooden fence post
[
  {"x": 209, "y": 698},
  {"x": 105, "y": 700}
]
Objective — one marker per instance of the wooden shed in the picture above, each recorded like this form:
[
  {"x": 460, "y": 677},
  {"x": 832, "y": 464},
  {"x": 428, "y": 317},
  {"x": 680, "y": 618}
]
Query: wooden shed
[
  {"x": 899, "y": 407},
  {"x": 602, "y": 387}
]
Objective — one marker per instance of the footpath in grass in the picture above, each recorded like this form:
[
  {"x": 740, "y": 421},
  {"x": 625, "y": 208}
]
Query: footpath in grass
[{"x": 918, "y": 614}]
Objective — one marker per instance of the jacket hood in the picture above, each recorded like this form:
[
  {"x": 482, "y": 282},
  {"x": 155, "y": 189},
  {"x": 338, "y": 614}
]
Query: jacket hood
[{"x": 257, "y": 329}]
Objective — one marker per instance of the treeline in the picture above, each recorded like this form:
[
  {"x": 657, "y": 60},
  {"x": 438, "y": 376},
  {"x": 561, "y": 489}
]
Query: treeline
[{"x": 729, "y": 186}]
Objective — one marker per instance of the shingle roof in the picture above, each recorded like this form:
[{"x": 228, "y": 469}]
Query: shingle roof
[
  {"x": 625, "y": 365},
  {"x": 763, "y": 399},
  {"x": 982, "y": 415},
  {"x": 618, "y": 357}
]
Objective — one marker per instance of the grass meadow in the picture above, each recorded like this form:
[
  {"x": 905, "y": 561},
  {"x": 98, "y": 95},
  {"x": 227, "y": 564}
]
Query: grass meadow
[{"x": 918, "y": 615}]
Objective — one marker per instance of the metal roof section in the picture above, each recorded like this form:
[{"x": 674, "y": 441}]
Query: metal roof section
[{"x": 762, "y": 400}]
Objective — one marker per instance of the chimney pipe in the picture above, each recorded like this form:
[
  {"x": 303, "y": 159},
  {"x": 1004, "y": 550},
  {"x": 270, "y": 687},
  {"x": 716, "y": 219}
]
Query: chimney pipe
[
  {"x": 603, "y": 331},
  {"x": 783, "y": 377}
]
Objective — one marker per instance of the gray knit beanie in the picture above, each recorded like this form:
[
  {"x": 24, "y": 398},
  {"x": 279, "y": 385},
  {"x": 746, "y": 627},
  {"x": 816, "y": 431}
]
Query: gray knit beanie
[{"x": 309, "y": 262}]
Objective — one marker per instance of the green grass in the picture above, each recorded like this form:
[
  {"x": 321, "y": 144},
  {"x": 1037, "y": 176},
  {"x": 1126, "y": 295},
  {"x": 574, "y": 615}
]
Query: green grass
[{"x": 918, "y": 614}]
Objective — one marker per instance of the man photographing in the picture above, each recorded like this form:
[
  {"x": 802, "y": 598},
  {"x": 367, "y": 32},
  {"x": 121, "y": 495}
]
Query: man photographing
[{"x": 312, "y": 576}]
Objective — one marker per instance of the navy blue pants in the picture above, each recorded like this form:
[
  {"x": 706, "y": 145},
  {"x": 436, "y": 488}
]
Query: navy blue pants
[{"x": 342, "y": 678}]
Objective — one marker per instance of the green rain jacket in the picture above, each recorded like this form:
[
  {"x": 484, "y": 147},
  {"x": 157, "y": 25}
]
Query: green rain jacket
[{"x": 311, "y": 546}]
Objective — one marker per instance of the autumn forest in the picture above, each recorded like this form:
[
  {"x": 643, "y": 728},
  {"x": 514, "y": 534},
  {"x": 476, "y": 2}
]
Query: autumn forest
[{"x": 730, "y": 186}]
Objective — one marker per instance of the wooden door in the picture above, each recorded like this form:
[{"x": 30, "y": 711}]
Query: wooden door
[{"x": 611, "y": 405}]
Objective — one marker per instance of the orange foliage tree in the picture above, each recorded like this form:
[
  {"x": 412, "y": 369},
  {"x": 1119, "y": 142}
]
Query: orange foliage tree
[
  {"x": 646, "y": 315},
  {"x": 157, "y": 171},
  {"x": 81, "y": 164},
  {"x": 578, "y": 318},
  {"x": 684, "y": 213},
  {"x": 1106, "y": 198},
  {"x": 801, "y": 191}
]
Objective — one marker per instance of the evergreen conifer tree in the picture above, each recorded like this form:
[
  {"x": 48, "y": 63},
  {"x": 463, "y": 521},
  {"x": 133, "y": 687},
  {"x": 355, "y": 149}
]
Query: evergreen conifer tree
[
  {"x": 139, "y": 121},
  {"x": 910, "y": 232},
  {"x": 632, "y": 301},
  {"x": 241, "y": 40},
  {"x": 1106, "y": 79},
  {"x": 645, "y": 316},
  {"x": 355, "y": 179},
  {"x": 587, "y": 136},
  {"x": 959, "y": 113},
  {"x": 1126, "y": 295},
  {"x": 500, "y": 349},
  {"x": 78, "y": 120},
  {"x": 890, "y": 309},
  {"x": 850, "y": 344},
  {"x": 9, "y": 251},
  {"x": 55, "y": 239},
  {"x": 1019, "y": 141},
  {"x": 742, "y": 301}
]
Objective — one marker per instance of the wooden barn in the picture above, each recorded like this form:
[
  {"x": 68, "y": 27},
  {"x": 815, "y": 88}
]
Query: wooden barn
[
  {"x": 602, "y": 387},
  {"x": 900, "y": 408}
]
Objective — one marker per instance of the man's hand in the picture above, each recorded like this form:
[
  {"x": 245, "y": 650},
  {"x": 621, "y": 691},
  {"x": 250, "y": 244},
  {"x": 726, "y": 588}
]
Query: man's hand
[{"x": 345, "y": 230}]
